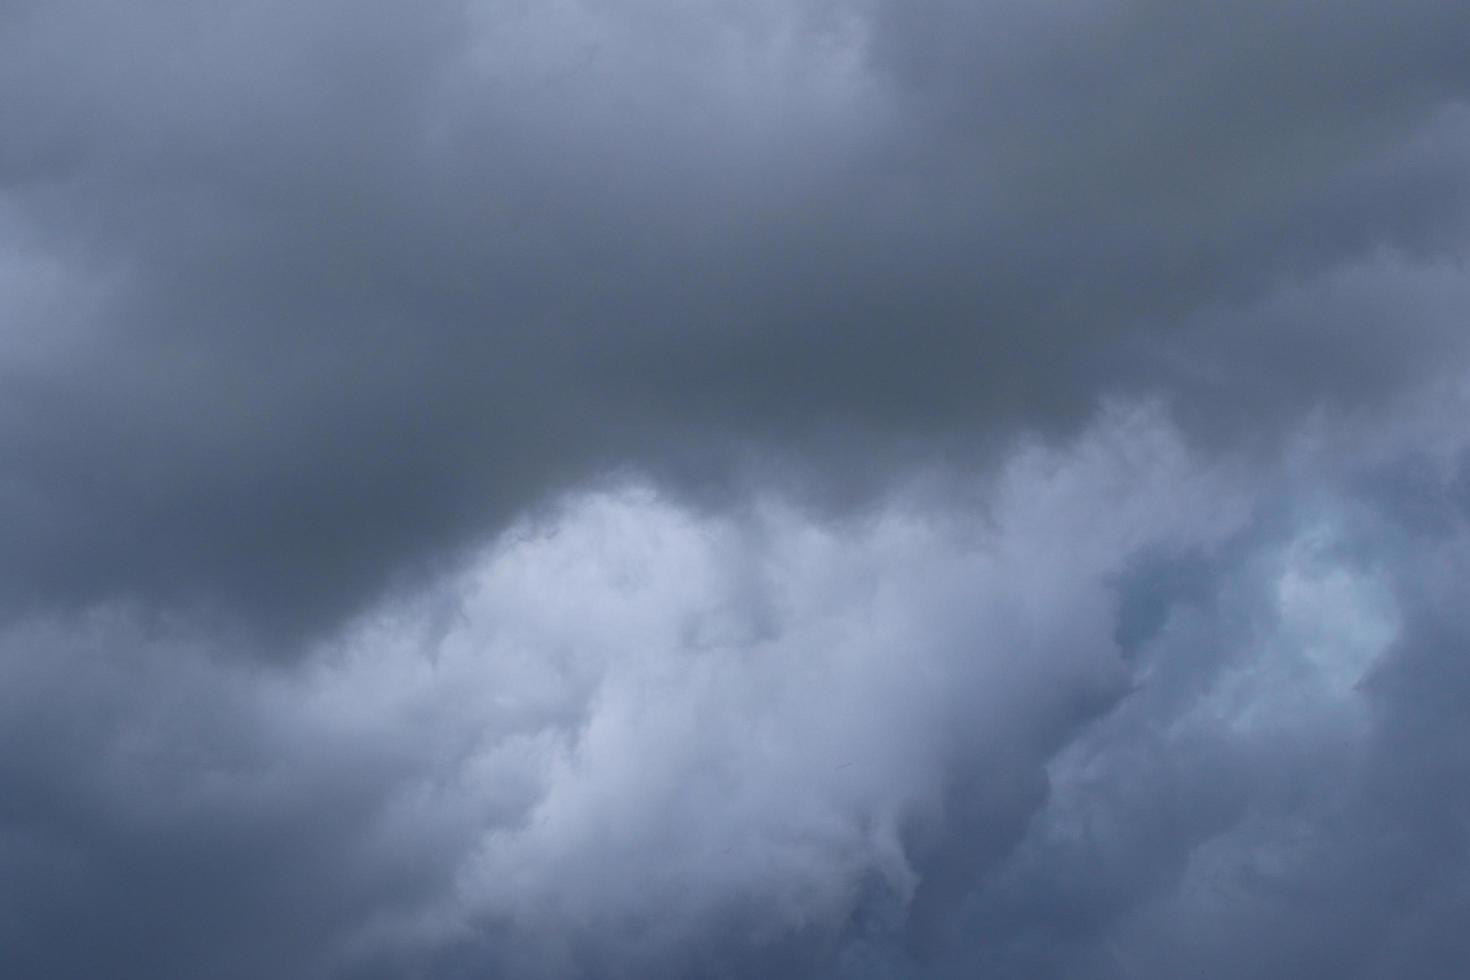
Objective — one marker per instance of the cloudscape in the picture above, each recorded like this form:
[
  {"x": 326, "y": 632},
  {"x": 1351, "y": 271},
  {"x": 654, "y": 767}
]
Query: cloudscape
[{"x": 576, "y": 490}]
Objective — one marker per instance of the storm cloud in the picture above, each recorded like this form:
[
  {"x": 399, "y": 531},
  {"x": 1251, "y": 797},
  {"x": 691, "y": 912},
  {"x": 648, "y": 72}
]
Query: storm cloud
[{"x": 784, "y": 488}]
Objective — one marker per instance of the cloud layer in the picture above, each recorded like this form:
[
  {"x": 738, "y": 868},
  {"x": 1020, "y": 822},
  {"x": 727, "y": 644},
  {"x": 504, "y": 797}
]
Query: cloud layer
[
  {"x": 788, "y": 488},
  {"x": 307, "y": 295}
]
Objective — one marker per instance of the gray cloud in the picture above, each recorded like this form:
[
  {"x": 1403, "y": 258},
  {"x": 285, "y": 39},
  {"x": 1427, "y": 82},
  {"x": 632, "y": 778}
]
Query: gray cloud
[
  {"x": 1217, "y": 730},
  {"x": 648, "y": 742},
  {"x": 782, "y": 489},
  {"x": 324, "y": 291}
]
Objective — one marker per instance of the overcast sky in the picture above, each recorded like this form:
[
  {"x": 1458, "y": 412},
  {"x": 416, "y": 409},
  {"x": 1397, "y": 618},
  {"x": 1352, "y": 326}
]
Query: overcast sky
[{"x": 622, "y": 489}]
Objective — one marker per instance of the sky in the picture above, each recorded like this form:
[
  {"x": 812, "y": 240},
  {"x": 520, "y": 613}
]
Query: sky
[{"x": 706, "y": 489}]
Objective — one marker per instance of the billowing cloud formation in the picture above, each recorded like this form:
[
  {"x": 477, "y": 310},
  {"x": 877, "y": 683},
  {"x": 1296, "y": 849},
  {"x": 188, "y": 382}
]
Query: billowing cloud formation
[
  {"x": 789, "y": 488},
  {"x": 630, "y": 741},
  {"x": 305, "y": 295}
]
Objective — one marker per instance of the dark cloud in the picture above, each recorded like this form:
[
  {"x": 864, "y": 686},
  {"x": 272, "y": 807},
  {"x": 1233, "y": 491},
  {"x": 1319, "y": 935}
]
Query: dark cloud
[
  {"x": 326, "y": 291},
  {"x": 793, "y": 488}
]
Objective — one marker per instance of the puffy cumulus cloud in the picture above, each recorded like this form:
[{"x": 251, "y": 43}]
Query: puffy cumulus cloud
[
  {"x": 306, "y": 297},
  {"x": 627, "y": 740},
  {"x": 1218, "y": 730}
]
